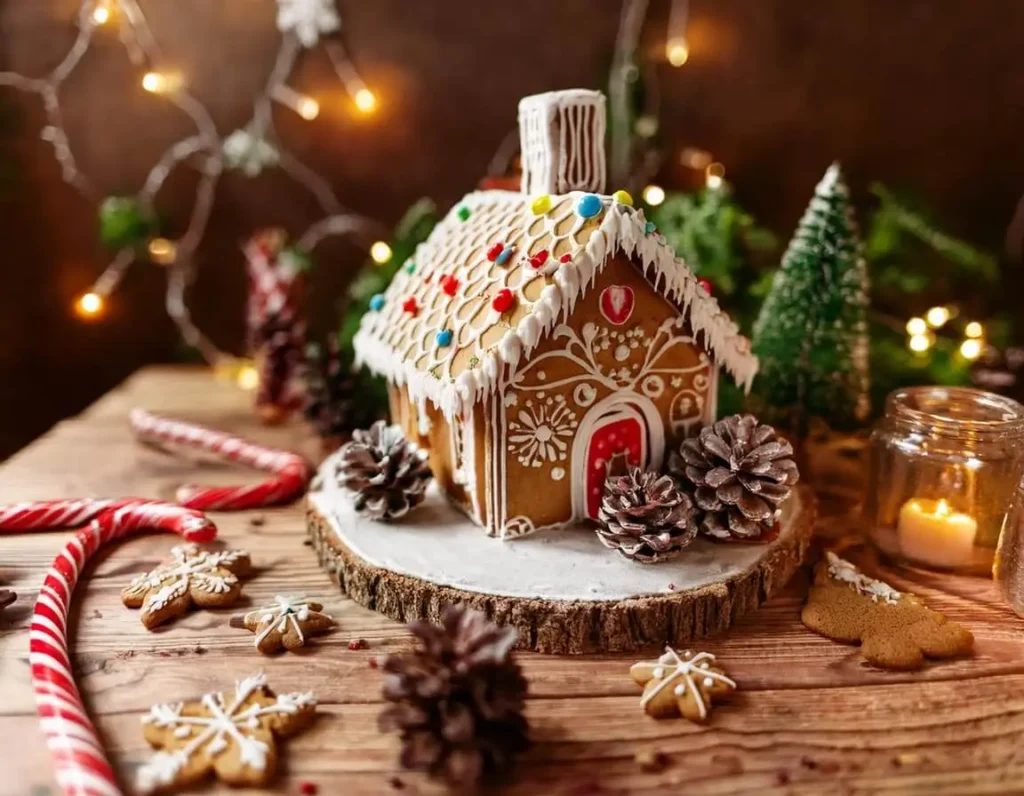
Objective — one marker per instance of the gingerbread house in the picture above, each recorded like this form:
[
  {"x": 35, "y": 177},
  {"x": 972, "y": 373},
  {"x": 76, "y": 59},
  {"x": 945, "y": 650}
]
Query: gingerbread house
[{"x": 540, "y": 340}]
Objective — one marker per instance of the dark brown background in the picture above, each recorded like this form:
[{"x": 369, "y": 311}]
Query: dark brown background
[{"x": 928, "y": 95}]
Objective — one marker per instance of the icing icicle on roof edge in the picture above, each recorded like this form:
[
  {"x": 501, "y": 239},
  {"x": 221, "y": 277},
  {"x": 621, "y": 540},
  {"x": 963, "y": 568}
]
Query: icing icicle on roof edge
[{"x": 622, "y": 229}]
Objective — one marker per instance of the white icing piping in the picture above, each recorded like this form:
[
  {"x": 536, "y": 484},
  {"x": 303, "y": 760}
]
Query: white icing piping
[
  {"x": 563, "y": 129},
  {"x": 622, "y": 229}
]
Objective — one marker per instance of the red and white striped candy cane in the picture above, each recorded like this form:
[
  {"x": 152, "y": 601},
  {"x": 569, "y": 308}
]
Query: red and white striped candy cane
[
  {"x": 80, "y": 766},
  {"x": 291, "y": 471},
  {"x": 51, "y": 514}
]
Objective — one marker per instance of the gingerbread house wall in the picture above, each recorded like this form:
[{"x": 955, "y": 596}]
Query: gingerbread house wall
[
  {"x": 624, "y": 373},
  {"x": 456, "y": 450}
]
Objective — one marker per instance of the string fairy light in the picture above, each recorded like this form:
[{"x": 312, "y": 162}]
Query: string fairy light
[
  {"x": 917, "y": 326},
  {"x": 970, "y": 348},
  {"x": 677, "y": 51},
  {"x": 974, "y": 330},
  {"x": 380, "y": 252},
  {"x": 248, "y": 149},
  {"x": 714, "y": 176},
  {"x": 654, "y": 195},
  {"x": 937, "y": 317}
]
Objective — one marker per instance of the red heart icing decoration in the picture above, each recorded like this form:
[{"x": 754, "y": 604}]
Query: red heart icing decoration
[
  {"x": 449, "y": 284},
  {"x": 617, "y": 303},
  {"x": 504, "y": 300}
]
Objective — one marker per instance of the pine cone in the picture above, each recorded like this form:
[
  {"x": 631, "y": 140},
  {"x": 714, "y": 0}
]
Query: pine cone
[
  {"x": 645, "y": 516},
  {"x": 280, "y": 357},
  {"x": 458, "y": 699},
  {"x": 338, "y": 398},
  {"x": 742, "y": 471},
  {"x": 388, "y": 473}
]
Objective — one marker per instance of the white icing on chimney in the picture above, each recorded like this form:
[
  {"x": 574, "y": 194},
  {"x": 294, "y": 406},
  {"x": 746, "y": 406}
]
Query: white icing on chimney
[{"x": 561, "y": 134}]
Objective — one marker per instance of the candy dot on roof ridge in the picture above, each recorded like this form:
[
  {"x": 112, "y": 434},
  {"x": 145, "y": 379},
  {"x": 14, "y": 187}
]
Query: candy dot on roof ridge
[
  {"x": 623, "y": 198},
  {"x": 540, "y": 204},
  {"x": 589, "y": 205}
]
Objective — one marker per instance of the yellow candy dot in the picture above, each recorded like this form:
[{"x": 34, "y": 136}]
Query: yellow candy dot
[
  {"x": 541, "y": 204},
  {"x": 623, "y": 198}
]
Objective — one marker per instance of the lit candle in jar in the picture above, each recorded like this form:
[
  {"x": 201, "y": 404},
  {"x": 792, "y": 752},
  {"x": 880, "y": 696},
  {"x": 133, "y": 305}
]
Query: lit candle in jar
[{"x": 931, "y": 532}]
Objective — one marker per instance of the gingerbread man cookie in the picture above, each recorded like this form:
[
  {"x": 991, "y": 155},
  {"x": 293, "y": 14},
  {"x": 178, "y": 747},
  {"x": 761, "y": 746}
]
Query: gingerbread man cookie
[
  {"x": 896, "y": 630},
  {"x": 682, "y": 685},
  {"x": 230, "y": 734},
  {"x": 206, "y": 579},
  {"x": 285, "y": 624}
]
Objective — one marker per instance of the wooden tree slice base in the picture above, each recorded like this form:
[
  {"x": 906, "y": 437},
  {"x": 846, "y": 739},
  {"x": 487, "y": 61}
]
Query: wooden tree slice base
[{"x": 561, "y": 589}]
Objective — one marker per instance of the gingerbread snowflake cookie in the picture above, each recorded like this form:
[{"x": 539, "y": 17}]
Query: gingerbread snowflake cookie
[
  {"x": 232, "y": 734},
  {"x": 896, "y": 630},
  {"x": 680, "y": 684},
  {"x": 285, "y": 624},
  {"x": 204, "y": 578}
]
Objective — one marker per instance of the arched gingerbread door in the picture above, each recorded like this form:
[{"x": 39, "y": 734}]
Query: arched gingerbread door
[{"x": 617, "y": 432}]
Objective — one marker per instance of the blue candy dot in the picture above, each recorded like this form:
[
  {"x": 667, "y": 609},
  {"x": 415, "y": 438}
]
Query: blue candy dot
[
  {"x": 649, "y": 227},
  {"x": 444, "y": 337},
  {"x": 377, "y": 302},
  {"x": 589, "y": 205}
]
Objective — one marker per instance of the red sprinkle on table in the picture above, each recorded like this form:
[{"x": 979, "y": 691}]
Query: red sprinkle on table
[
  {"x": 358, "y": 644},
  {"x": 307, "y": 788},
  {"x": 504, "y": 300}
]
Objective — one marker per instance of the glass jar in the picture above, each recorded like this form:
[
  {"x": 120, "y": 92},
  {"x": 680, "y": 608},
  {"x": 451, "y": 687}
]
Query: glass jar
[
  {"x": 1008, "y": 568},
  {"x": 945, "y": 464}
]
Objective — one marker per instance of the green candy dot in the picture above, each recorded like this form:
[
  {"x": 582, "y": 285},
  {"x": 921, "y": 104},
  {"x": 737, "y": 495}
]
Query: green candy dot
[
  {"x": 463, "y": 213},
  {"x": 410, "y": 267}
]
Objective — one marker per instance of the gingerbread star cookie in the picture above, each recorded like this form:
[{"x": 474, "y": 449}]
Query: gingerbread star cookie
[
  {"x": 285, "y": 624},
  {"x": 896, "y": 630},
  {"x": 682, "y": 685},
  {"x": 204, "y": 578},
  {"x": 231, "y": 734}
]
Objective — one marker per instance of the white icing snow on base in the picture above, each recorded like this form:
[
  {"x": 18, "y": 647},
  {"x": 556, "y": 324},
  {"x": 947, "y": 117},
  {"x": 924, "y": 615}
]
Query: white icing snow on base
[{"x": 438, "y": 543}]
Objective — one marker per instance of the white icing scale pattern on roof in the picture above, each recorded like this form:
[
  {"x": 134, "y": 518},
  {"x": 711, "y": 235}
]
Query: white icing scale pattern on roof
[{"x": 500, "y": 272}]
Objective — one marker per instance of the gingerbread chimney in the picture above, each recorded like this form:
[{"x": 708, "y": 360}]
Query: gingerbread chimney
[{"x": 561, "y": 134}]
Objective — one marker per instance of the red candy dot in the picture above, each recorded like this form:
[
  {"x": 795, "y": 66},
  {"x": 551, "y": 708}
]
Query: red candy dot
[
  {"x": 538, "y": 260},
  {"x": 449, "y": 284},
  {"x": 706, "y": 284},
  {"x": 308, "y": 788},
  {"x": 565, "y": 258},
  {"x": 410, "y": 306},
  {"x": 504, "y": 300},
  {"x": 494, "y": 251}
]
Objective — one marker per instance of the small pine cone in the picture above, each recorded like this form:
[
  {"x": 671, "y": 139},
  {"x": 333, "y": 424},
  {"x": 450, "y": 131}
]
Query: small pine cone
[
  {"x": 645, "y": 516},
  {"x": 742, "y": 471},
  {"x": 388, "y": 473},
  {"x": 458, "y": 699}
]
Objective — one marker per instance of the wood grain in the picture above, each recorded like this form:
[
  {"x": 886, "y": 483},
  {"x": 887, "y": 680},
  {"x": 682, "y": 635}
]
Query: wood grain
[
  {"x": 575, "y": 627},
  {"x": 810, "y": 716}
]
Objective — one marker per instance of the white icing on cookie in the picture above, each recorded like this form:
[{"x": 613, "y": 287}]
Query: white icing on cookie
[{"x": 842, "y": 570}]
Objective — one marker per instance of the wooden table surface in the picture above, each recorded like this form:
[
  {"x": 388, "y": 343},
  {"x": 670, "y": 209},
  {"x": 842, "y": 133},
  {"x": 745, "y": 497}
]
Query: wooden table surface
[{"x": 810, "y": 716}]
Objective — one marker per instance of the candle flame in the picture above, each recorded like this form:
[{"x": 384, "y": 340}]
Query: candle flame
[{"x": 942, "y": 509}]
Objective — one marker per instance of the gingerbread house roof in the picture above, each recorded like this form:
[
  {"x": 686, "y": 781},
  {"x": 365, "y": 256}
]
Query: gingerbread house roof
[{"x": 501, "y": 272}]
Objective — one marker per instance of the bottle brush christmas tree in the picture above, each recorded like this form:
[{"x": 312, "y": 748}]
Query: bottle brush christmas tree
[{"x": 811, "y": 335}]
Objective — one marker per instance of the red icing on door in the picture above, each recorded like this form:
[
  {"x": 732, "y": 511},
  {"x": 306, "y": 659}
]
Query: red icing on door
[{"x": 618, "y": 441}]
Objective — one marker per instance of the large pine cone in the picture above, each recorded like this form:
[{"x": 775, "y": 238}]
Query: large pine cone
[
  {"x": 388, "y": 473},
  {"x": 742, "y": 471},
  {"x": 458, "y": 699},
  {"x": 645, "y": 516}
]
